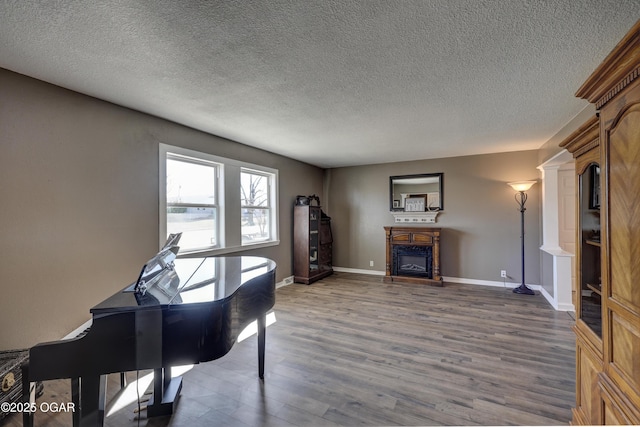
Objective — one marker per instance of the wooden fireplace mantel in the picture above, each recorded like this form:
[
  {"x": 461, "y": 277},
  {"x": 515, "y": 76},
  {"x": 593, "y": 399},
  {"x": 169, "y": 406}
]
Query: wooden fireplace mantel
[{"x": 413, "y": 236}]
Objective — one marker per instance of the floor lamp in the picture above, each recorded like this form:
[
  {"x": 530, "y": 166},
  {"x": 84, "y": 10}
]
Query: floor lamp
[{"x": 521, "y": 198}]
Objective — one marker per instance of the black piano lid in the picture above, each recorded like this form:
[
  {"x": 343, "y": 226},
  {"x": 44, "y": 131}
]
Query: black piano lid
[
  {"x": 220, "y": 277},
  {"x": 193, "y": 281}
]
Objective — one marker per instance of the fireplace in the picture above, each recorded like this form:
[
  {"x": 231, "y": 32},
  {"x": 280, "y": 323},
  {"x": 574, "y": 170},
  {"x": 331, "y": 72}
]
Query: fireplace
[
  {"x": 413, "y": 261},
  {"x": 413, "y": 255}
]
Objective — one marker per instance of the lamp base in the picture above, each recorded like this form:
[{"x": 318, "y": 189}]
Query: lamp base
[{"x": 523, "y": 289}]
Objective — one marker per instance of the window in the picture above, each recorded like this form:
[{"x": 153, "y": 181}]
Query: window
[
  {"x": 256, "y": 206},
  {"x": 220, "y": 205},
  {"x": 192, "y": 201}
]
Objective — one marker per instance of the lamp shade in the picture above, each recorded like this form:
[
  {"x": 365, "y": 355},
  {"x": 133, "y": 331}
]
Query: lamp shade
[{"x": 521, "y": 185}]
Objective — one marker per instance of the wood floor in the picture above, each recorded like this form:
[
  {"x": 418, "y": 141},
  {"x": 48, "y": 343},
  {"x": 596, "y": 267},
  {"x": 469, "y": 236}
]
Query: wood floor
[{"x": 352, "y": 350}]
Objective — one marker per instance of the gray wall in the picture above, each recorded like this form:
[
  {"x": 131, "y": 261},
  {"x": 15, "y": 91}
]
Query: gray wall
[
  {"x": 480, "y": 220},
  {"x": 552, "y": 147},
  {"x": 79, "y": 198}
]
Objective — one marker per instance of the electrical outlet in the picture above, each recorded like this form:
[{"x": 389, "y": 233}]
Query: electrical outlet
[
  {"x": 503, "y": 273},
  {"x": 371, "y": 263}
]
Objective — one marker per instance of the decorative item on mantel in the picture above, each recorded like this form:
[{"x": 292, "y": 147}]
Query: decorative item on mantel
[{"x": 427, "y": 217}]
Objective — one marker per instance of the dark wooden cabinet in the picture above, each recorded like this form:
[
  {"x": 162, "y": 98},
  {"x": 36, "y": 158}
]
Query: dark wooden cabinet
[
  {"x": 312, "y": 244},
  {"x": 608, "y": 337}
]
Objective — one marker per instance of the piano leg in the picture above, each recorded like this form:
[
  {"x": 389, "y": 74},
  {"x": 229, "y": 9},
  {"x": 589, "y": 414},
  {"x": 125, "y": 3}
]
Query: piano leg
[
  {"x": 92, "y": 399},
  {"x": 261, "y": 344},
  {"x": 75, "y": 398},
  {"x": 28, "y": 395},
  {"x": 165, "y": 393}
]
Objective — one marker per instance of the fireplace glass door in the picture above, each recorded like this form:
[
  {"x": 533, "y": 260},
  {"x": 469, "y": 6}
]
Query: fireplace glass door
[{"x": 413, "y": 261}]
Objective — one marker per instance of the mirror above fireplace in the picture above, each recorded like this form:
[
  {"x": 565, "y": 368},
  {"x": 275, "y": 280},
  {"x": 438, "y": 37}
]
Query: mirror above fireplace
[{"x": 416, "y": 193}]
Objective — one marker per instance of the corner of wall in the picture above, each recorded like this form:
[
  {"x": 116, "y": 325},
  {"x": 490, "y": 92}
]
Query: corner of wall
[{"x": 552, "y": 147}]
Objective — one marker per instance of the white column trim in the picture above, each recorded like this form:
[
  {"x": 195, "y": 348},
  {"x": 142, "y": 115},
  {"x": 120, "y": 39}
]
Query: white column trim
[{"x": 561, "y": 275}]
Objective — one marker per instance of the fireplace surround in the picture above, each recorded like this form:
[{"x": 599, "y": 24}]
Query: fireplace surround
[{"x": 413, "y": 255}]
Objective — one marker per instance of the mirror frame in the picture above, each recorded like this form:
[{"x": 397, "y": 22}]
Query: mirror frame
[{"x": 440, "y": 176}]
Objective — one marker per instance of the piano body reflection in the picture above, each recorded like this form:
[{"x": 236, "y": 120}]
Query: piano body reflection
[{"x": 179, "y": 312}]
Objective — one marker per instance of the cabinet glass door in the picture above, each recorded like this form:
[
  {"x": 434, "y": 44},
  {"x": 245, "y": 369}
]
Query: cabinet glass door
[
  {"x": 590, "y": 273},
  {"x": 314, "y": 239}
]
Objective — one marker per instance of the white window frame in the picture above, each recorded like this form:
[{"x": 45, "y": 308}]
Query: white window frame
[
  {"x": 271, "y": 201},
  {"x": 218, "y": 169},
  {"x": 229, "y": 210}
]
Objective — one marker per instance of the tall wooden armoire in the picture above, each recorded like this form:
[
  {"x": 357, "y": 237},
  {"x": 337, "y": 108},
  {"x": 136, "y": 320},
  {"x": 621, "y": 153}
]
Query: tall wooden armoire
[
  {"x": 584, "y": 144},
  {"x": 312, "y": 244},
  {"x": 608, "y": 361}
]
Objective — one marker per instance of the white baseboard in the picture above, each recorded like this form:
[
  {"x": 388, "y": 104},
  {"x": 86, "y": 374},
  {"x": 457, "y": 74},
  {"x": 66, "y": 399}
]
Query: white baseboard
[
  {"x": 497, "y": 284},
  {"x": 359, "y": 271},
  {"x": 554, "y": 303},
  {"x": 445, "y": 278},
  {"x": 467, "y": 281},
  {"x": 565, "y": 307},
  {"x": 286, "y": 281},
  {"x": 493, "y": 283}
]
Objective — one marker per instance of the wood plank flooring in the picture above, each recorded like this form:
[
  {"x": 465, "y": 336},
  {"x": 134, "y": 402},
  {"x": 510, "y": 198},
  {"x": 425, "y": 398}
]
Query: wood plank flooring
[{"x": 352, "y": 350}]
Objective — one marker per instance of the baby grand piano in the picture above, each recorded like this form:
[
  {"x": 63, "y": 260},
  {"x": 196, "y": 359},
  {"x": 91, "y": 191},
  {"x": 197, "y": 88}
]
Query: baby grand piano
[{"x": 178, "y": 312}]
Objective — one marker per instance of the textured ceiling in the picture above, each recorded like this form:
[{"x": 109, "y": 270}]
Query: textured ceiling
[{"x": 332, "y": 83}]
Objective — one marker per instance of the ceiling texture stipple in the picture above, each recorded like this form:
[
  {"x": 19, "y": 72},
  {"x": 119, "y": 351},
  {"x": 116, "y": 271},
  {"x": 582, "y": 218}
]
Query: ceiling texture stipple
[{"x": 331, "y": 83}]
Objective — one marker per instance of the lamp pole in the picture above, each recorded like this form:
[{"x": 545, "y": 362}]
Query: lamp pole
[{"x": 521, "y": 199}]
